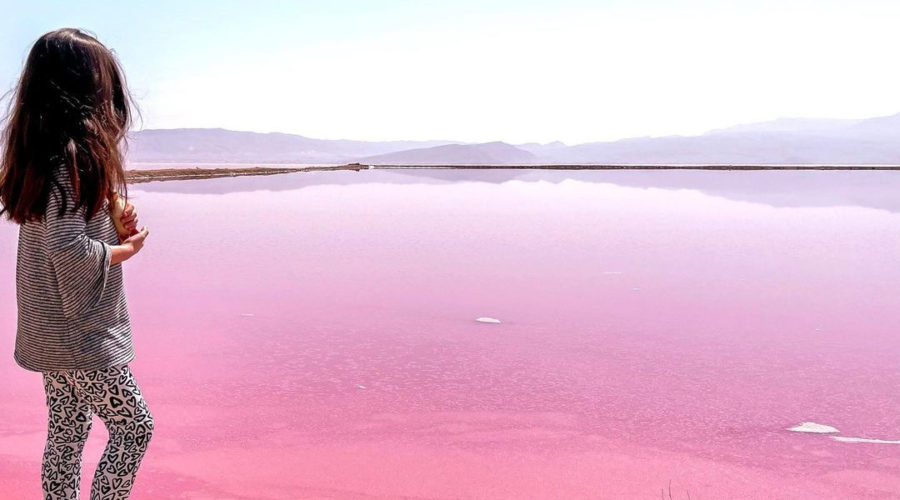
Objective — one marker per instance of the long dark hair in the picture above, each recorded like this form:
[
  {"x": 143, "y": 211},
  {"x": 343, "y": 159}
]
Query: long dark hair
[{"x": 71, "y": 109}]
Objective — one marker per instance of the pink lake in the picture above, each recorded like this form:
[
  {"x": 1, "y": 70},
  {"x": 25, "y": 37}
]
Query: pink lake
[{"x": 313, "y": 335}]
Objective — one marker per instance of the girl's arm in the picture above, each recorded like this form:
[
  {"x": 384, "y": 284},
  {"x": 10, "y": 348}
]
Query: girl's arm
[
  {"x": 129, "y": 246},
  {"x": 81, "y": 263},
  {"x": 121, "y": 253}
]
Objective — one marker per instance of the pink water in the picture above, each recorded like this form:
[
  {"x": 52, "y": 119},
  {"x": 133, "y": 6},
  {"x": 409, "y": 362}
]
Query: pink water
[{"x": 314, "y": 336}]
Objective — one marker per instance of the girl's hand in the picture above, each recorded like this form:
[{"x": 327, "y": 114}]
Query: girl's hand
[
  {"x": 129, "y": 220},
  {"x": 135, "y": 242}
]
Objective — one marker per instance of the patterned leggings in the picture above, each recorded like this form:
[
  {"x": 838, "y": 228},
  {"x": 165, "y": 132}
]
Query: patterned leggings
[{"x": 73, "y": 396}]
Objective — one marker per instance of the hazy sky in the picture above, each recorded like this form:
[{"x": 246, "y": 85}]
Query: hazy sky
[{"x": 482, "y": 70}]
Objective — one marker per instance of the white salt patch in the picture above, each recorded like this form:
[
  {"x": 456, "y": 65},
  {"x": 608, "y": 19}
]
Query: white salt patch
[
  {"x": 487, "y": 320},
  {"x": 361, "y": 386},
  {"x": 612, "y": 272},
  {"x": 247, "y": 315},
  {"x": 863, "y": 440},
  {"x": 814, "y": 428}
]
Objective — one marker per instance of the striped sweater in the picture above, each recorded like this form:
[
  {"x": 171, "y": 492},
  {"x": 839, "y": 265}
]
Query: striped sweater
[{"x": 72, "y": 312}]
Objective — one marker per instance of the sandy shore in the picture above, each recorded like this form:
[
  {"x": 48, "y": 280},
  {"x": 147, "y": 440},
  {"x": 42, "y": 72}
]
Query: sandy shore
[{"x": 174, "y": 174}]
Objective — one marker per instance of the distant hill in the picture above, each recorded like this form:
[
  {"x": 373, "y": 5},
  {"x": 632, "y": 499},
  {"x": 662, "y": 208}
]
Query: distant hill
[
  {"x": 790, "y": 125},
  {"x": 786, "y": 141},
  {"x": 542, "y": 149},
  {"x": 489, "y": 153},
  {"x": 783, "y": 141},
  {"x": 228, "y": 146},
  {"x": 747, "y": 148},
  {"x": 885, "y": 127}
]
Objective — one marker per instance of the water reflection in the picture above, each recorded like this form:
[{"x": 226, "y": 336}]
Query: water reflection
[
  {"x": 789, "y": 188},
  {"x": 312, "y": 334}
]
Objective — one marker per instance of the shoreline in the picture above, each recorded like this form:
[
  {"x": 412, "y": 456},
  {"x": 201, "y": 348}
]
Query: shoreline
[
  {"x": 181, "y": 173},
  {"x": 134, "y": 176}
]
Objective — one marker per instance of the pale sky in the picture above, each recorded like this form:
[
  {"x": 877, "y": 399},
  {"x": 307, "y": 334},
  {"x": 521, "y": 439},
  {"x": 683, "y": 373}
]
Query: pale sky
[{"x": 483, "y": 70}]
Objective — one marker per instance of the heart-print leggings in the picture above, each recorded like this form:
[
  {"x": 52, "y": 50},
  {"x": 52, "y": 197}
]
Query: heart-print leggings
[{"x": 73, "y": 396}]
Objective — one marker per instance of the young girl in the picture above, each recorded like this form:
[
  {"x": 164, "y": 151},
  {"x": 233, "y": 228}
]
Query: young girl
[{"x": 61, "y": 168}]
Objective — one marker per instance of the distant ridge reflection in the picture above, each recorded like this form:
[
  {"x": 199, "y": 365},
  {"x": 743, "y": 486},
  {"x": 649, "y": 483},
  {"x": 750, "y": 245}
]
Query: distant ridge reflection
[{"x": 789, "y": 188}]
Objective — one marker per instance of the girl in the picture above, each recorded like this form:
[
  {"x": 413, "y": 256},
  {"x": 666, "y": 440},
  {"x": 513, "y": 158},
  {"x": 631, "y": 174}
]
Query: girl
[{"x": 61, "y": 168}]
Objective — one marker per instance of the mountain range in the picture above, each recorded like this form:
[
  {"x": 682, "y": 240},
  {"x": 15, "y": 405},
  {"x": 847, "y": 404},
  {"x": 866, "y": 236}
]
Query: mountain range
[{"x": 783, "y": 141}]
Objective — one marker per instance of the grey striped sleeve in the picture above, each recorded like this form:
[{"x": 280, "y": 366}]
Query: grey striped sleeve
[{"x": 81, "y": 264}]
